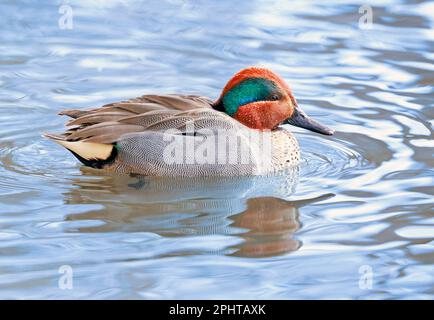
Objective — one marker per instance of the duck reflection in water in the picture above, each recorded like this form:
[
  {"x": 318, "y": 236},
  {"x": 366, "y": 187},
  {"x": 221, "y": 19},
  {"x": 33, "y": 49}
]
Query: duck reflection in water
[
  {"x": 250, "y": 208},
  {"x": 270, "y": 224}
]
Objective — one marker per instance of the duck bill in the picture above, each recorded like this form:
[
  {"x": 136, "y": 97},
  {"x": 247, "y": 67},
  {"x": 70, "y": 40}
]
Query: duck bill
[{"x": 300, "y": 119}]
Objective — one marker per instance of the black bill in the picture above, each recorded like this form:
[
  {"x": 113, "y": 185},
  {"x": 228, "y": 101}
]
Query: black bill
[{"x": 302, "y": 120}]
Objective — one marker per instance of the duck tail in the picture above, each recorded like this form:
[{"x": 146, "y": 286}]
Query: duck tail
[{"x": 91, "y": 154}]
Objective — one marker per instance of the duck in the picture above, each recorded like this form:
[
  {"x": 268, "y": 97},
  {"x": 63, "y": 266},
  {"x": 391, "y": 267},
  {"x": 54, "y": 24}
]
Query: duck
[{"x": 240, "y": 133}]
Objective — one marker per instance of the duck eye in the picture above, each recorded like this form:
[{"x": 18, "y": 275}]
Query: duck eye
[{"x": 274, "y": 97}]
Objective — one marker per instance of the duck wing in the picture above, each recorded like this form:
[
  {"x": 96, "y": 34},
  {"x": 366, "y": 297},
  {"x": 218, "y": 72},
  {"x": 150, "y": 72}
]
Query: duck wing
[{"x": 107, "y": 124}]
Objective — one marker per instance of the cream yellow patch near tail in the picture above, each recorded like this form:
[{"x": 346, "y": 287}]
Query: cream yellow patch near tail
[{"x": 86, "y": 150}]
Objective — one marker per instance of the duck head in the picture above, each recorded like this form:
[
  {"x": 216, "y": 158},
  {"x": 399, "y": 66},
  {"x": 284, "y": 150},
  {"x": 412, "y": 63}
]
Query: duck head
[{"x": 260, "y": 99}]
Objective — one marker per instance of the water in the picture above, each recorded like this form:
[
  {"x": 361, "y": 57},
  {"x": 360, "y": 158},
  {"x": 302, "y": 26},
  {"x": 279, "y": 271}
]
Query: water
[{"x": 359, "y": 207}]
